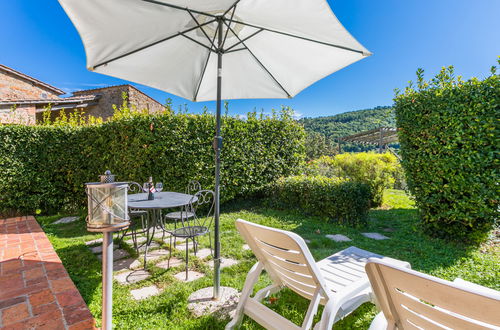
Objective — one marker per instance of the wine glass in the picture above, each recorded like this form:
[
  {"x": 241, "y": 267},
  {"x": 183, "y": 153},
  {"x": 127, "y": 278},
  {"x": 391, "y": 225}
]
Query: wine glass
[
  {"x": 159, "y": 187},
  {"x": 145, "y": 187}
]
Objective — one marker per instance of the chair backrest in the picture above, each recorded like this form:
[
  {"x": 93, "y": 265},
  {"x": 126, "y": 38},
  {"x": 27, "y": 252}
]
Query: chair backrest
[
  {"x": 412, "y": 300},
  {"x": 135, "y": 188},
  {"x": 286, "y": 258},
  {"x": 193, "y": 187},
  {"x": 202, "y": 205}
]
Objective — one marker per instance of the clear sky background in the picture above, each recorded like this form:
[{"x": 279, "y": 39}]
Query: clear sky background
[{"x": 37, "y": 38}]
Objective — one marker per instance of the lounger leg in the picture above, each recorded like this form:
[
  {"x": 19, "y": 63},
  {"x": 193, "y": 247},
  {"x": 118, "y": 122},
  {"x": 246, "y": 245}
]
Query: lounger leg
[{"x": 252, "y": 278}]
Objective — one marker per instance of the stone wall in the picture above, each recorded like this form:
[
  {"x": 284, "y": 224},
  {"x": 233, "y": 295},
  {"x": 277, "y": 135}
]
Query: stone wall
[
  {"x": 13, "y": 87},
  {"x": 113, "y": 96},
  {"x": 24, "y": 115}
]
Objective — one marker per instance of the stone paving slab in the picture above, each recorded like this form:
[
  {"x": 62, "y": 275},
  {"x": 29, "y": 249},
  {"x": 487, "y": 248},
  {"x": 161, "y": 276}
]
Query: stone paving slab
[
  {"x": 174, "y": 262},
  {"x": 65, "y": 220},
  {"x": 130, "y": 241},
  {"x": 307, "y": 241},
  {"x": 132, "y": 276},
  {"x": 156, "y": 254},
  {"x": 203, "y": 253},
  {"x": 94, "y": 242},
  {"x": 144, "y": 293},
  {"x": 245, "y": 247},
  {"x": 338, "y": 238},
  {"x": 376, "y": 236},
  {"x": 126, "y": 264},
  {"x": 117, "y": 254},
  {"x": 224, "y": 262},
  {"x": 98, "y": 249},
  {"x": 36, "y": 292},
  {"x": 193, "y": 275},
  {"x": 153, "y": 245}
]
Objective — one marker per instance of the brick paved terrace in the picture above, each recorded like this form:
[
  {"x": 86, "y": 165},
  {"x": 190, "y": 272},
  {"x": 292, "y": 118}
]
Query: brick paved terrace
[{"x": 35, "y": 289}]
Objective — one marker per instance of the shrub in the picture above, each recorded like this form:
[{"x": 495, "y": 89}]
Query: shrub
[
  {"x": 337, "y": 199},
  {"x": 45, "y": 167},
  {"x": 449, "y": 145},
  {"x": 378, "y": 171}
]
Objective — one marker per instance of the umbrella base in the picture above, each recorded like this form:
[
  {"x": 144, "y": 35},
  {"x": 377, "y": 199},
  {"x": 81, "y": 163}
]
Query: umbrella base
[{"x": 201, "y": 302}]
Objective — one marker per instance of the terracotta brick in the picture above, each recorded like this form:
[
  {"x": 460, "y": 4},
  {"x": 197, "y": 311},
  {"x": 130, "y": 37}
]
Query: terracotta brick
[
  {"x": 75, "y": 314},
  {"x": 43, "y": 309},
  {"x": 15, "y": 313},
  {"x": 84, "y": 325},
  {"x": 11, "y": 302},
  {"x": 34, "y": 273},
  {"x": 42, "y": 297},
  {"x": 49, "y": 320},
  {"x": 61, "y": 284},
  {"x": 69, "y": 298}
]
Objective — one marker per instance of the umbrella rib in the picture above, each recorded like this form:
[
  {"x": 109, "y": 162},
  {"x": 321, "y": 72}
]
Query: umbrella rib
[
  {"x": 196, "y": 41},
  {"x": 203, "y": 72},
  {"x": 201, "y": 28},
  {"x": 232, "y": 6},
  {"x": 299, "y": 37},
  {"x": 244, "y": 39},
  {"x": 232, "y": 15},
  {"x": 234, "y": 50},
  {"x": 150, "y": 45},
  {"x": 258, "y": 61},
  {"x": 179, "y": 7}
]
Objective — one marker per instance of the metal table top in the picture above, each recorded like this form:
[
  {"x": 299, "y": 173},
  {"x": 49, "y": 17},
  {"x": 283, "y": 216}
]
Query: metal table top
[{"x": 163, "y": 200}]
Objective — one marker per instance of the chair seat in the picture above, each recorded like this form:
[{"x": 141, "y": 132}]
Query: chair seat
[
  {"x": 137, "y": 213},
  {"x": 179, "y": 215},
  {"x": 191, "y": 231}
]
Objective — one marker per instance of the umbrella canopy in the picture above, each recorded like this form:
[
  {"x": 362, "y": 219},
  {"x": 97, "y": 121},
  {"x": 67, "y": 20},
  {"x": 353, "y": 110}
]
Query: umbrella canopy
[
  {"x": 215, "y": 49},
  {"x": 272, "y": 48}
]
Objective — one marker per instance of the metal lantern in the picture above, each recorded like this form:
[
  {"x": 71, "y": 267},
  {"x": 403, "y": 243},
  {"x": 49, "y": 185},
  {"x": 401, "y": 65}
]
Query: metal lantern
[{"x": 107, "y": 206}]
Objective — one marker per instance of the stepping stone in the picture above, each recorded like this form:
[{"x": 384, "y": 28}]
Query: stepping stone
[
  {"x": 153, "y": 245},
  {"x": 193, "y": 275},
  {"x": 66, "y": 220},
  {"x": 174, "y": 262},
  {"x": 376, "y": 236},
  {"x": 245, "y": 247},
  {"x": 130, "y": 277},
  {"x": 338, "y": 238},
  {"x": 156, "y": 254},
  {"x": 146, "y": 292},
  {"x": 94, "y": 242},
  {"x": 203, "y": 253},
  {"x": 117, "y": 254},
  {"x": 124, "y": 264},
  {"x": 98, "y": 249},
  {"x": 140, "y": 240},
  {"x": 308, "y": 241},
  {"x": 224, "y": 262},
  {"x": 389, "y": 230}
]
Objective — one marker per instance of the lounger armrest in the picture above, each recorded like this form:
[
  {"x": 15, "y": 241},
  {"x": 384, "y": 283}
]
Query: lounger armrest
[{"x": 476, "y": 287}]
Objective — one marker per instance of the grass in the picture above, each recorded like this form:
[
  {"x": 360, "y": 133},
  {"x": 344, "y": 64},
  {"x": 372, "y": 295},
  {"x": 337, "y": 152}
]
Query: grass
[{"x": 397, "y": 218}]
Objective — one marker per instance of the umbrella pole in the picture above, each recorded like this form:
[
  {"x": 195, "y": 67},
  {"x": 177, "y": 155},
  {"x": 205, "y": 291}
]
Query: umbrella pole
[{"x": 218, "y": 147}]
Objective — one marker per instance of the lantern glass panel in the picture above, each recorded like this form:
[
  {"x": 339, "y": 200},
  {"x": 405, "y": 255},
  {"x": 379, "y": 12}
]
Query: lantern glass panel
[{"x": 107, "y": 205}]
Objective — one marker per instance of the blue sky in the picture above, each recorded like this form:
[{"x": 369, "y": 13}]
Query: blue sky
[{"x": 37, "y": 38}]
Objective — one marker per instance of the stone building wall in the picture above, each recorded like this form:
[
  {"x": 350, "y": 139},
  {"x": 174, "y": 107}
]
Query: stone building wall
[
  {"x": 24, "y": 115},
  {"x": 13, "y": 87},
  {"x": 113, "y": 96}
]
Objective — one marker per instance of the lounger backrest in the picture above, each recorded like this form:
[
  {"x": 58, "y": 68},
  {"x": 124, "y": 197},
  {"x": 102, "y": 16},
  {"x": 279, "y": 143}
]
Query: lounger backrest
[
  {"x": 285, "y": 256},
  {"x": 412, "y": 300}
]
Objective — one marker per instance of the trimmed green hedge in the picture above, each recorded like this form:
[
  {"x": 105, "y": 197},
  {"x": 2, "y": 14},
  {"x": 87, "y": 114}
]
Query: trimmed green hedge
[
  {"x": 45, "y": 167},
  {"x": 337, "y": 199},
  {"x": 449, "y": 144},
  {"x": 379, "y": 171}
]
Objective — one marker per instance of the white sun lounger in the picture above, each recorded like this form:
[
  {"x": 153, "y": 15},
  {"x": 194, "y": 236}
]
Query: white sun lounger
[
  {"x": 339, "y": 282},
  {"x": 412, "y": 300}
]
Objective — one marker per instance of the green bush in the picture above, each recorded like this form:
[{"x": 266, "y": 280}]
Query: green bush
[
  {"x": 45, "y": 167},
  {"x": 337, "y": 199},
  {"x": 449, "y": 145},
  {"x": 378, "y": 171}
]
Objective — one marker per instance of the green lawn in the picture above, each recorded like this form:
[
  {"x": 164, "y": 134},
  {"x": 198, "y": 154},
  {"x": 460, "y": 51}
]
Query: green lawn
[{"x": 397, "y": 219}]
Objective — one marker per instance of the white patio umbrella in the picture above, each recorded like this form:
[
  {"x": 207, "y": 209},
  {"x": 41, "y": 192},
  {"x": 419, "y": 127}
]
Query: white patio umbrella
[{"x": 215, "y": 49}]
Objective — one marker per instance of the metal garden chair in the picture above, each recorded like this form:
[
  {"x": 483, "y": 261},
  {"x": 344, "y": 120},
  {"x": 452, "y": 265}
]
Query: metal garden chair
[
  {"x": 192, "y": 188},
  {"x": 202, "y": 202}
]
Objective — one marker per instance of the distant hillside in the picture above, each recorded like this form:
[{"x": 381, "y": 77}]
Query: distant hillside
[{"x": 350, "y": 123}]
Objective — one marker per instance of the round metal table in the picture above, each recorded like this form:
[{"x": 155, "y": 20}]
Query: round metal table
[{"x": 163, "y": 200}]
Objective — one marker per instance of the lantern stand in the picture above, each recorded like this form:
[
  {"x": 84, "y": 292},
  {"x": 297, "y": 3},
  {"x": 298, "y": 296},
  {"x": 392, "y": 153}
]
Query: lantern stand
[{"x": 107, "y": 213}]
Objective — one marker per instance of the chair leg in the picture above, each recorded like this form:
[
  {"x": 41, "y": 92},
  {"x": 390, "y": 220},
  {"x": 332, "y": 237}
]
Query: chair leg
[
  {"x": 169, "y": 252},
  {"x": 210, "y": 243},
  {"x": 251, "y": 280},
  {"x": 187, "y": 258}
]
